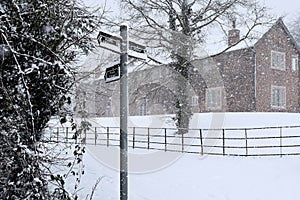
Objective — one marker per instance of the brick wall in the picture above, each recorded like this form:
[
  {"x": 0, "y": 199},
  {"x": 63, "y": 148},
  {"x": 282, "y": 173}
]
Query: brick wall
[
  {"x": 237, "y": 69},
  {"x": 275, "y": 39}
]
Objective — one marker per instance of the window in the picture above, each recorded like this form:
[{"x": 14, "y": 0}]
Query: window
[
  {"x": 213, "y": 98},
  {"x": 195, "y": 100},
  {"x": 158, "y": 98},
  {"x": 294, "y": 64},
  {"x": 107, "y": 109},
  {"x": 278, "y": 95},
  {"x": 142, "y": 107},
  {"x": 167, "y": 73},
  {"x": 278, "y": 60}
]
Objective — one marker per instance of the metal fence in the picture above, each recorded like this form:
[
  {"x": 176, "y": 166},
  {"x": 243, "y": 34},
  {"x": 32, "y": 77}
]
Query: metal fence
[{"x": 264, "y": 141}]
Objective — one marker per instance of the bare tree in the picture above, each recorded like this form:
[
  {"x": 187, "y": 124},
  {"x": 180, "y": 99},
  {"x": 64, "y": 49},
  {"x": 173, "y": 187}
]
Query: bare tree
[
  {"x": 295, "y": 29},
  {"x": 175, "y": 26}
]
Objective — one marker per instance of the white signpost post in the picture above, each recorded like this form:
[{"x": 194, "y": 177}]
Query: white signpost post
[{"x": 123, "y": 46}]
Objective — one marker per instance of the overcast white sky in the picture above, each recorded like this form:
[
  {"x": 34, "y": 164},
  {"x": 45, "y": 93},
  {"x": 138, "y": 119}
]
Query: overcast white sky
[{"x": 288, "y": 8}]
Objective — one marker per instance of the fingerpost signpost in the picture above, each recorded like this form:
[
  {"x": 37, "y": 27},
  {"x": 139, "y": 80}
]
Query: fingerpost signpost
[{"x": 125, "y": 47}]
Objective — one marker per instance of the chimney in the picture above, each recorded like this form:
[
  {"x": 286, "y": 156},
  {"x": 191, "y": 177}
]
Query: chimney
[{"x": 233, "y": 35}]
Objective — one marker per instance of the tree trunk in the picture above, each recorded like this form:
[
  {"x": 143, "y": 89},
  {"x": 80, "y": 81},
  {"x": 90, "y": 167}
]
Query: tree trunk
[{"x": 182, "y": 67}]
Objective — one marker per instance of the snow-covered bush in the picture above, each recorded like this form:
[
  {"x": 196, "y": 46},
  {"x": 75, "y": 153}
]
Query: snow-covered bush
[{"x": 44, "y": 37}]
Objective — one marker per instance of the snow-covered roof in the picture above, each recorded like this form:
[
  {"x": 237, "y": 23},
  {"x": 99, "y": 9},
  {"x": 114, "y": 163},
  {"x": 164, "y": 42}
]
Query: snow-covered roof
[
  {"x": 287, "y": 32},
  {"x": 215, "y": 44}
]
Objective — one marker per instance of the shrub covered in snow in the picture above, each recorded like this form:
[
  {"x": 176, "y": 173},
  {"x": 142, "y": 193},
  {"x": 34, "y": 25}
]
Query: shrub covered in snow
[{"x": 42, "y": 39}]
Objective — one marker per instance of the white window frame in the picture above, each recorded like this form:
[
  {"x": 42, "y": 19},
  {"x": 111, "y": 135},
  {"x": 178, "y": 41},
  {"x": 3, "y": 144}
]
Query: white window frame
[
  {"x": 195, "y": 100},
  {"x": 142, "y": 107},
  {"x": 277, "y": 65},
  {"x": 108, "y": 109},
  {"x": 294, "y": 63},
  {"x": 278, "y": 97},
  {"x": 211, "y": 102}
]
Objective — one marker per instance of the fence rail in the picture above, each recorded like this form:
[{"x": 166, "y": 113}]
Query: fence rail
[{"x": 263, "y": 141}]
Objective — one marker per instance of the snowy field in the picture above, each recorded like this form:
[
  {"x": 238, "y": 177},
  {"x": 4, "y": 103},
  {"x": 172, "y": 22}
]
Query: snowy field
[
  {"x": 159, "y": 175},
  {"x": 208, "y": 178}
]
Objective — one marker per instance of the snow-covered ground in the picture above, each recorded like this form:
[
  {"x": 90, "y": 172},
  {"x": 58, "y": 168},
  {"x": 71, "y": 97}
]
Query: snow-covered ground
[
  {"x": 159, "y": 175},
  {"x": 209, "y": 178}
]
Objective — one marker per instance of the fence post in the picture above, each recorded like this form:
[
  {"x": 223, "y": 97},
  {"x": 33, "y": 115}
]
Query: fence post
[
  {"x": 201, "y": 141},
  {"x": 148, "y": 137},
  {"x": 107, "y": 136},
  {"x": 246, "y": 140},
  {"x": 280, "y": 142},
  {"x": 57, "y": 134},
  {"x": 182, "y": 142},
  {"x": 95, "y": 135},
  {"x": 223, "y": 141},
  {"x": 133, "y": 137},
  {"x": 165, "y": 139},
  {"x": 67, "y": 133}
]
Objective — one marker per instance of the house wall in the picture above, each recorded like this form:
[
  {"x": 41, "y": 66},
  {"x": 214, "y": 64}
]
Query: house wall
[
  {"x": 84, "y": 104},
  {"x": 275, "y": 39},
  {"x": 245, "y": 76},
  {"x": 107, "y": 99},
  {"x": 237, "y": 70},
  {"x": 157, "y": 85}
]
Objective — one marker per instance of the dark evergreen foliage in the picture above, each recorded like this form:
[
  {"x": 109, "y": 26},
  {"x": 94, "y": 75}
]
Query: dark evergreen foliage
[{"x": 44, "y": 37}]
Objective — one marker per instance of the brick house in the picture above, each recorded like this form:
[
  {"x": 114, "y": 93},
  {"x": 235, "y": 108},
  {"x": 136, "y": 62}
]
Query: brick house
[{"x": 261, "y": 78}]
